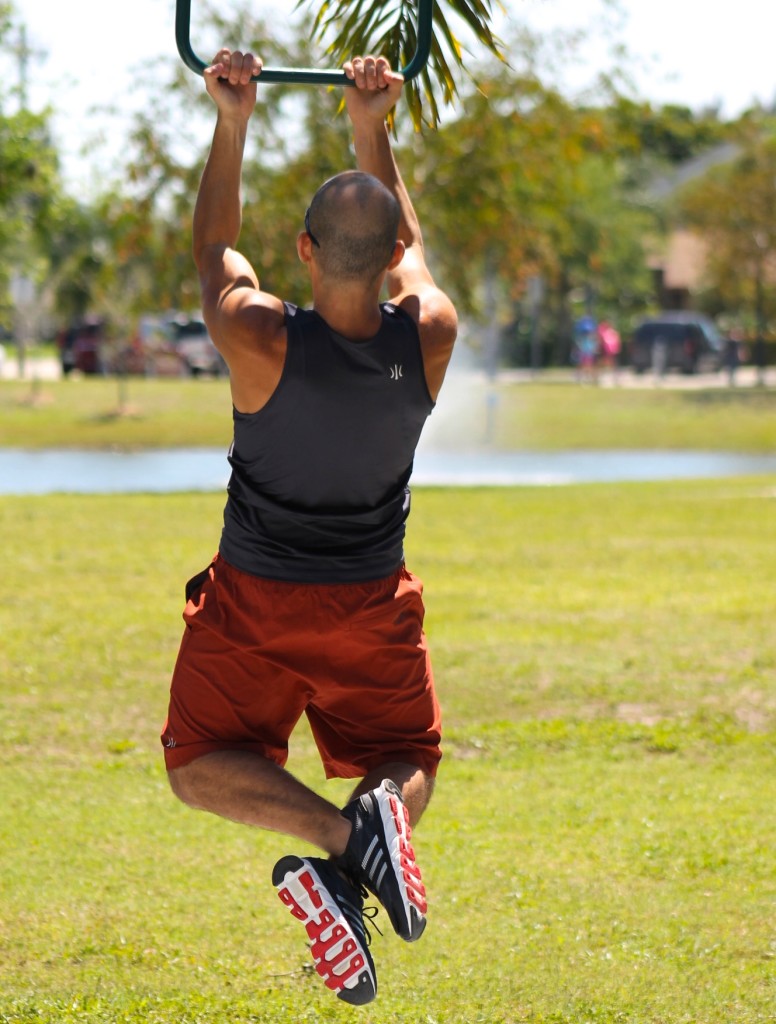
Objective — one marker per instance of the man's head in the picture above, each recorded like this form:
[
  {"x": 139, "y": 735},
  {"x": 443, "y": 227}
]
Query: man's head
[{"x": 352, "y": 223}]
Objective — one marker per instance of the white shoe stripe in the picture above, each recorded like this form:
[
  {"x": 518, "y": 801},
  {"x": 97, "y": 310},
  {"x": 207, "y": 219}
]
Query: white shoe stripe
[
  {"x": 374, "y": 867},
  {"x": 368, "y": 853},
  {"x": 380, "y": 877}
]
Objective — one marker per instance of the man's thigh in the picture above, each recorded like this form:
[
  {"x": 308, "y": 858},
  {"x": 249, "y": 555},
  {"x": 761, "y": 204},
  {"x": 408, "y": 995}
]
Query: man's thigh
[{"x": 378, "y": 703}]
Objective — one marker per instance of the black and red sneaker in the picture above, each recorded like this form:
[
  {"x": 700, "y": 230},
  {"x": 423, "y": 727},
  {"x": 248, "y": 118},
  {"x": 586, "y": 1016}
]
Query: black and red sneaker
[
  {"x": 380, "y": 857},
  {"x": 332, "y": 912}
]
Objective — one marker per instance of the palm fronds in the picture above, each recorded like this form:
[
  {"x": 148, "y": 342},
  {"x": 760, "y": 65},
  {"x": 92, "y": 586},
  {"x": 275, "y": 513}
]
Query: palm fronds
[{"x": 348, "y": 27}]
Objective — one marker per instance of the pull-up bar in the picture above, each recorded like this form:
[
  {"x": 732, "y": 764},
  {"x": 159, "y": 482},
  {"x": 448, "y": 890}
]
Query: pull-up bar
[{"x": 304, "y": 76}]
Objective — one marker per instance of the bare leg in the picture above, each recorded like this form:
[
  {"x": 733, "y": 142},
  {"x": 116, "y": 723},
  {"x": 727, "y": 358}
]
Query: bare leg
[
  {"x": 247, "y": 788},
  {"x": 416, "y": 785}
]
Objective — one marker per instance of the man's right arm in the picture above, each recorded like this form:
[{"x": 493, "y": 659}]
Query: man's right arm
[
  {"x": 410, "y": 284},
  {"x": 246, "y": 323}
]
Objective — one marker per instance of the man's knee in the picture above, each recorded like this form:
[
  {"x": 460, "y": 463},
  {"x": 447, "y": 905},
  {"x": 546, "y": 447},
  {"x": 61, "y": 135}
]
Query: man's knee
[
  {"x": 415, "y": 783},
  {"x": 184, "y": 784}
]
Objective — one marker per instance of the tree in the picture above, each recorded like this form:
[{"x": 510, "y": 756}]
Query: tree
[
  {"x": 669, "y": 134},
  {"x": 522, "y": 186},
  {"x": 149, "y": 214},
  {"x": 388, "y": 28},
  {"x": 733, "y": 206},
  {"x": 75, "y": 248},
  {"x": 526, "y": 186},
  {"x": 29, "y": 185}
]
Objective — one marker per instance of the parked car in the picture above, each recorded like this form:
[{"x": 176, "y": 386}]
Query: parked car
[
  {"x": 190, "y": 337},
  {"x": 682, "y": 340},
  {"x": 149, "y": 352},
  {"x": 81, "y": 346}
]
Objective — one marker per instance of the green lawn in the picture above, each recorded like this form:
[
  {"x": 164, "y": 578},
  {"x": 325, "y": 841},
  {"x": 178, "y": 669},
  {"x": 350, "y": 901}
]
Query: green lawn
[
  {"x": 600, "y": 848},
  {"x": 94, "y": 413}
]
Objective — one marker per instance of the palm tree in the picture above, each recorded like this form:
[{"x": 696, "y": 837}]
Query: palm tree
[{"x": 389, "y": 27}]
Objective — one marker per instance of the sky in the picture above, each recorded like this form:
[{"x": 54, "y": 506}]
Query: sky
[{"x": 88, "y": 52}]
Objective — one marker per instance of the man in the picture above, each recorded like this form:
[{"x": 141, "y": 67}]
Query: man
[{"x": 308, "y": 606}]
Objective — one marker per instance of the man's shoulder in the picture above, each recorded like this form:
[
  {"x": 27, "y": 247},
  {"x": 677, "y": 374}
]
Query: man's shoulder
[
  {"x": 431, "y": 310},
  {"x": 436, "y": 323}
]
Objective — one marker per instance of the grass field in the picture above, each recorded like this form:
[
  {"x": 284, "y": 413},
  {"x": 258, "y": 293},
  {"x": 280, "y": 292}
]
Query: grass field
[
  {"x": 600, "y": 849},
  {"x": 94, "y": 413}
]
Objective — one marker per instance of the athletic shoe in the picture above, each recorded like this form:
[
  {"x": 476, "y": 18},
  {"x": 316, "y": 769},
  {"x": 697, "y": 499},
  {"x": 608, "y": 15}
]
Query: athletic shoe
[
  {"x": 379, "y": 856},
  {"x": 332, "y": 913}
]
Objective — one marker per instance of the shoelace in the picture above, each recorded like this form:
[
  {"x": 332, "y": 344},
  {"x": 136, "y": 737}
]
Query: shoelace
[
  {"x": 366, "y": 915},
  {"x": 371, "y": 913}
]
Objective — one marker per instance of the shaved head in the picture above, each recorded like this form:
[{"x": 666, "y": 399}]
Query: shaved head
[{"x": 355, "y": 220}]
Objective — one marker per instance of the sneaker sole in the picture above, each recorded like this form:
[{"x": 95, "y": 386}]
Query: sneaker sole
[
  {"x": 339, "y": 957},
  {"x": 397, "y": 836}
]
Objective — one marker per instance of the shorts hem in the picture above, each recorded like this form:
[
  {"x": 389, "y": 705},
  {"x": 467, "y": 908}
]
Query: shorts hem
[
  {"x": 180, "y": 757},
  {"x": 428, "y": 763}
]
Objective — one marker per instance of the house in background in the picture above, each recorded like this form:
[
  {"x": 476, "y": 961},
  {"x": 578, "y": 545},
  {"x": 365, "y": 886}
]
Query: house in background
[
  {"x": 678, "y": 262},
  {"x": 678, "y": 265}
]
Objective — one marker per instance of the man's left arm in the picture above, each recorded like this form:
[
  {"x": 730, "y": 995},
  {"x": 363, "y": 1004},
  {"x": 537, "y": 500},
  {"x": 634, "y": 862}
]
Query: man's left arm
[{"x": 410, "y": 284}]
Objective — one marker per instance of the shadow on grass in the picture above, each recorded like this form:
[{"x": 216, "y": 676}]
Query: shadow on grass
[
  {"x": 756, "y": 398},
  {"x": 121, "y": 412}
]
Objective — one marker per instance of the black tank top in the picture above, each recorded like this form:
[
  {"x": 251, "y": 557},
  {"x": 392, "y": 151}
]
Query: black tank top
[{"x": 319, "y": 486}]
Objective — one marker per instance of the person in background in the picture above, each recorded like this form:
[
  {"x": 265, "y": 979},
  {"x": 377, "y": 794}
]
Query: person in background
[
  {"x": 610, "y": 345},
  {"x": 586, "y": 349}
]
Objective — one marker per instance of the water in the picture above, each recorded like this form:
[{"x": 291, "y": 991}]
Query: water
[{"x": 196, "y": 469}]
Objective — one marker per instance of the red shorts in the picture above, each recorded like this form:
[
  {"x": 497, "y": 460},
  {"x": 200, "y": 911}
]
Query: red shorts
[{"x": 258, "y": 653}]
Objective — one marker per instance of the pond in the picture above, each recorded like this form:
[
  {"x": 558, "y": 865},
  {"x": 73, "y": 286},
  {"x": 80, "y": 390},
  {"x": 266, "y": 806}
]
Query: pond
[{"x": 198, "y": 469}]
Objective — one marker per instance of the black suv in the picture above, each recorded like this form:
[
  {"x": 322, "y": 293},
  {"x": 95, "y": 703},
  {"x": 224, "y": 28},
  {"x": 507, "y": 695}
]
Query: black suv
[{"x": 684, "y": 341}]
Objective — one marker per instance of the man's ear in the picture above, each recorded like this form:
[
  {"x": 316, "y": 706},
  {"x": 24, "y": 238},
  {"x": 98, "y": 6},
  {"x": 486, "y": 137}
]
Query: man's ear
[
  {"x": 398, "y": 255},
  {"x": 304, "y": 247}
]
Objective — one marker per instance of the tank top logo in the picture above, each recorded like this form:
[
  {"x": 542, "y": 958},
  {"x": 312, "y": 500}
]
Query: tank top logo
[{"x": 396, "y": 371}]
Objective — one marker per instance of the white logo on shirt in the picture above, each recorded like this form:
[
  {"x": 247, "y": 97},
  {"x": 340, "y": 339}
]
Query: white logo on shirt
[{"x": 396, "y": 371}]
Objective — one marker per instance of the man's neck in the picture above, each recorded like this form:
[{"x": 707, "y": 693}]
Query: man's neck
[{"x": 353, "y": 312}]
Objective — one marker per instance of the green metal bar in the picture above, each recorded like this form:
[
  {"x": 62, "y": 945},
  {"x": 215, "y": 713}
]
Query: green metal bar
[{"x": 303, "y": 76}]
